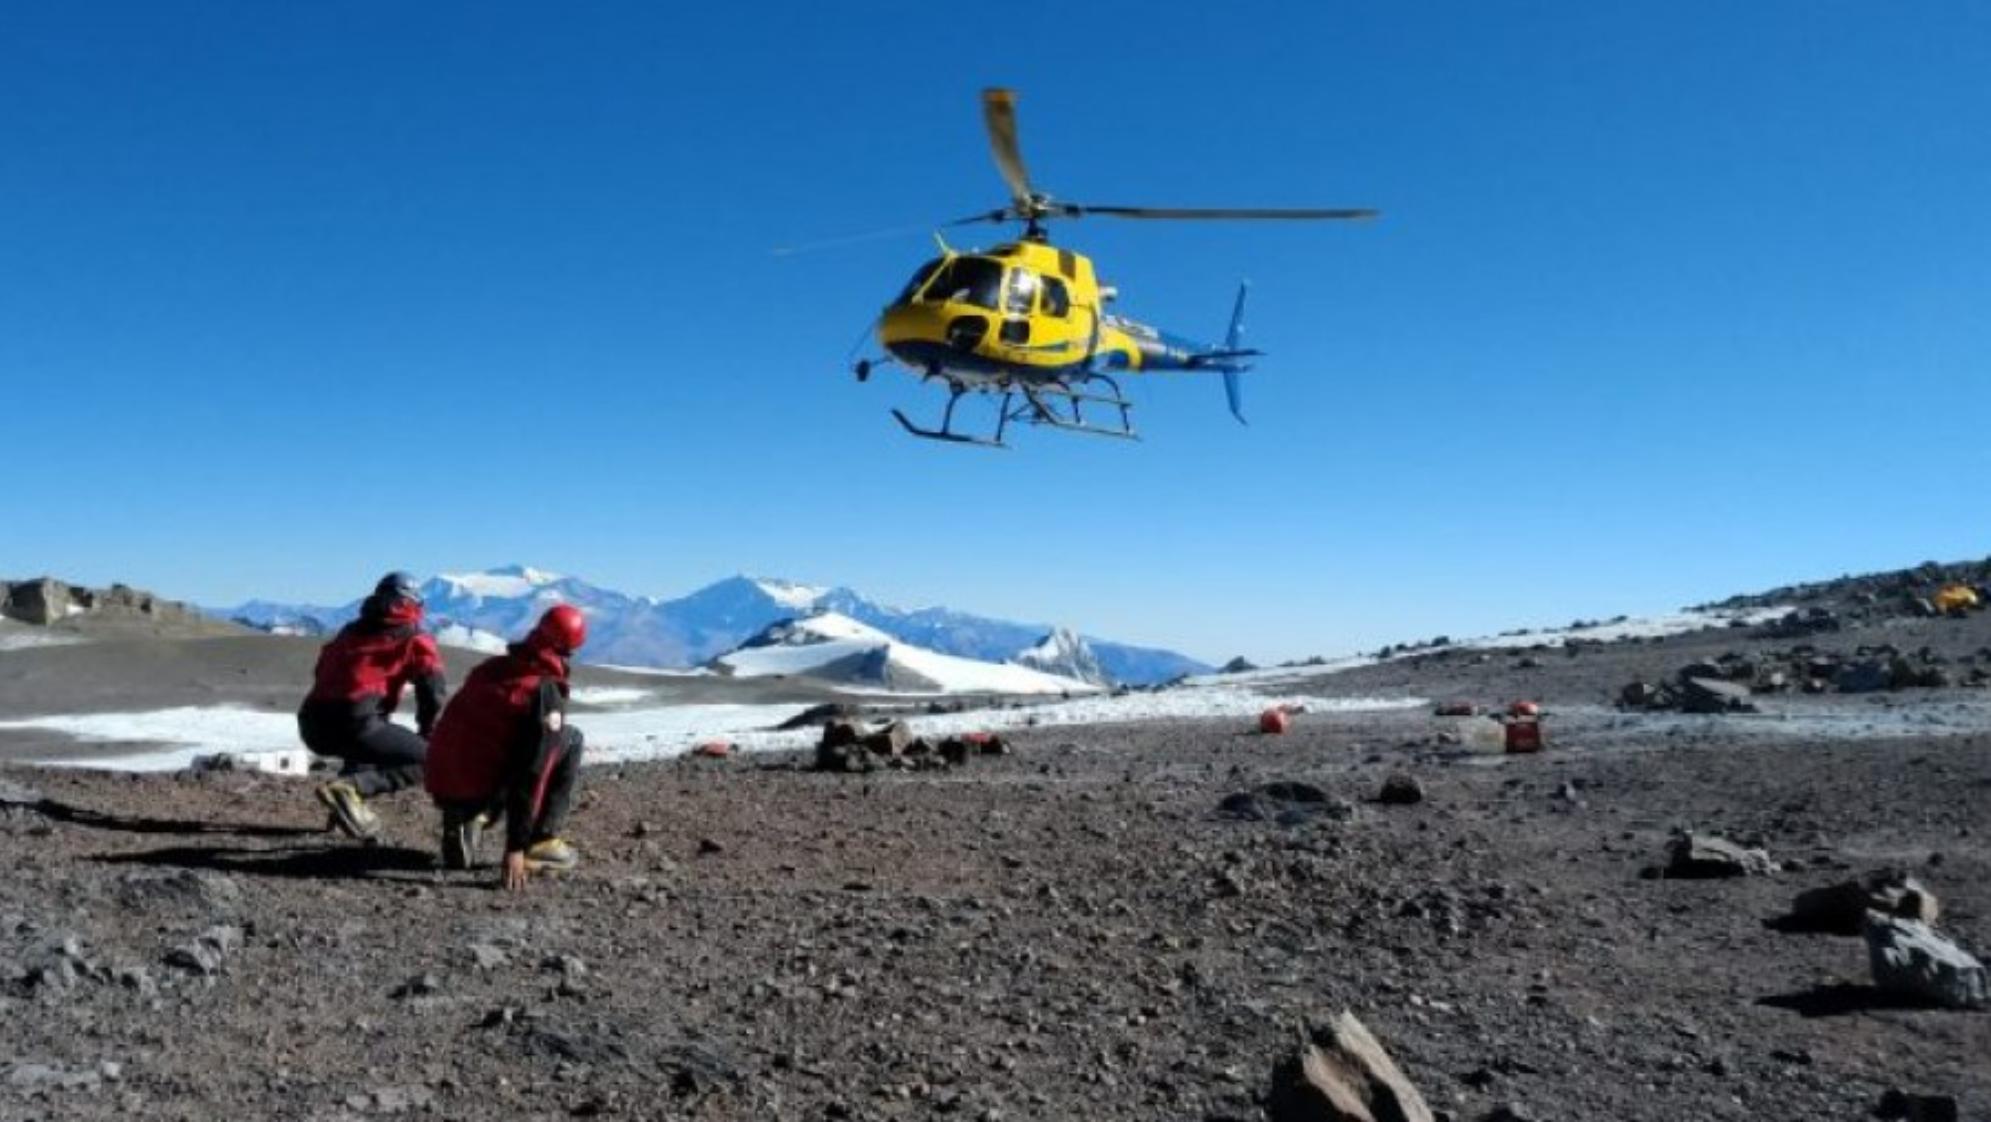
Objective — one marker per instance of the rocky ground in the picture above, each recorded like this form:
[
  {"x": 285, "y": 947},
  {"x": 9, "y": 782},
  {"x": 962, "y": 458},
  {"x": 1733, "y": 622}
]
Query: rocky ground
[{"x": 1073, "y": 930}]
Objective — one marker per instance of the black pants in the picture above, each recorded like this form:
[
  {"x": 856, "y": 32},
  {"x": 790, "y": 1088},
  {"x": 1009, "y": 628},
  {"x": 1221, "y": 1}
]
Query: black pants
[
  {"x": 381, "y": 757},
  {"x": 560, "y": 780}
]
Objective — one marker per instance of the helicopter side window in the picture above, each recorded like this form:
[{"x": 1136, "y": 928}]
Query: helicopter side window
[
  {"x": 1057, "y": 299},
  {"x": 918, "y": 282},
  {"x": 966, "y": 280},
  {"x": 1022, "y": 292}
]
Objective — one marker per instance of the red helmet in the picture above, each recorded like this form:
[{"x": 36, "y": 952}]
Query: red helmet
[
  {"x": 562, "y": 629},
  {"x": 1525, "y": 709}
]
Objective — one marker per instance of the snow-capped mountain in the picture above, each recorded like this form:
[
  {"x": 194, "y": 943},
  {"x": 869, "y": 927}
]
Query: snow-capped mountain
[
  {"x": 1064, "y": 653},
  {"x": 629, "y": 630},
  {"x": 835, "y": 648},
  {"x": 280, "y": 619}
]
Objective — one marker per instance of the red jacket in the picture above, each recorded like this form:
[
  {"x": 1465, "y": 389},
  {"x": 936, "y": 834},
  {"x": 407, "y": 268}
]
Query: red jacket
[
  {"x": 494, "y": 726},
  {"x": 372, "y": 659}
]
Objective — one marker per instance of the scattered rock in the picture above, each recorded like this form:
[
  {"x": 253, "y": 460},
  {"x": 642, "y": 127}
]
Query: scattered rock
[
  {"x": 1401, "y": 789},
  {"x": 842, "y": 749},
  {"x": 1641, "y": 695},
  {"x": 698, "y": 1067},
  {"x": 850, "y": 747},
  {"x": 392, "y": 1100},
  {"x": 575, "y": 1046},
  {"x": 1286, "y": 803},
  {"x": 421, "y": 985},
  {"x": 891, "y": 740},
  {"x": 207, "y": 951},
  {"x": 1712, "y": 695},
  {"x": 53, "y": 1077},
  {"x": 1909, "y": 1107},
  {"x": 1692, "y": 856},
  {"x": 1912, "y": 963},
  {"x": 138, "y": 980},
  {"x": 1343, "y": 1074},
  {"x": 1842, "y": 908},
  {"x": 14, "y": 794},
  {"x": 1865, "y": 676},
  {"x": 181, "y": 888}
]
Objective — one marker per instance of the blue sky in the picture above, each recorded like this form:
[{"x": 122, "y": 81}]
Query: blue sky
[{"x": 1669, "y": 301}]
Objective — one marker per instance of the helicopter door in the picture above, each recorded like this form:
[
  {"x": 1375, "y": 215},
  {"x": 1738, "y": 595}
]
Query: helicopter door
[
  {"x": 1057, "y": 299},
  {"x": 1019, "y": 299}
]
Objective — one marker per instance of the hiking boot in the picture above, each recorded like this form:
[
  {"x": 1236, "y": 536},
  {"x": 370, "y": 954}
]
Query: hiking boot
[
  {"x": 349, "y": 810},
  {"x": 461, "y": 831},
  {"x": 551, "y": 854}
]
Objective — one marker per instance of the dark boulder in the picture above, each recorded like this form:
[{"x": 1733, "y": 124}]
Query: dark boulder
[
  {"x": 1401, "y": 789},
  {"x": 1710, "y": 695}
]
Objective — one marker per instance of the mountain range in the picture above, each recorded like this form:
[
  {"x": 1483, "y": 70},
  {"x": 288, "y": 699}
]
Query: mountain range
[
  {"x": 694, "y": 629},
  {"x": 830, "y": 647}
]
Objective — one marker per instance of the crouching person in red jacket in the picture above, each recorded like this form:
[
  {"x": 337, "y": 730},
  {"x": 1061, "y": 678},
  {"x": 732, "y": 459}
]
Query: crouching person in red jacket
[
  {"x": 358, "y": 682},
  {"x": 503, "y": 748}
]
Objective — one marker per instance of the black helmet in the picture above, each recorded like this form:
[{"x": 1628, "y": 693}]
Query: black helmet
[{"x": 397, "y": 585}]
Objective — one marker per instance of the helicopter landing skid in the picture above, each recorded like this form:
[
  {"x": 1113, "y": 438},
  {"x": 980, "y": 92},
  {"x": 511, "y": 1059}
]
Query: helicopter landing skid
[
  {"x": 945, "y": 434},
  {"x": 946, "y": 430},
  {"x": 1043, "y": 413},
  {"x": 1040, "y": 406}
]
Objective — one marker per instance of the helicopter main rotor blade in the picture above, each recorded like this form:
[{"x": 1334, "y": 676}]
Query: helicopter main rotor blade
[
  {"x": 999, "y": 114},
  {"x": 1006, "y": 214},
  {"x": 1080, "y": 210}
]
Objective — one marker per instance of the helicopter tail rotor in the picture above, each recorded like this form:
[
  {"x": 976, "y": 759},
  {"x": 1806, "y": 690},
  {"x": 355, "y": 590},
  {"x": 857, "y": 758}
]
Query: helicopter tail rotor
[{"x": 1233, "y": 342}]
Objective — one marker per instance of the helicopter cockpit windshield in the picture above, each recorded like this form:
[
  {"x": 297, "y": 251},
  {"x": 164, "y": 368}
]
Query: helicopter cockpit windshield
[
  {"x": 920, "y": 277},
  {"x": 959, "y": 280}
]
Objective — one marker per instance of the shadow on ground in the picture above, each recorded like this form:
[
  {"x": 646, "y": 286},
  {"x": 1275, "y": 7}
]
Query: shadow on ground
[
  {"x": 1836, "y": 1000},
  {"x": 336, "y": 862},
  {"x": 97, "y": 820}
]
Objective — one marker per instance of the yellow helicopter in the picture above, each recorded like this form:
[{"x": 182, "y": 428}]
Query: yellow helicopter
[{"x": 1027, "y": 320}]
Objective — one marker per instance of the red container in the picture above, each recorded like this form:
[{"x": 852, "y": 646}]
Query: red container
[
  {"x": 1524, "y": 734},
  {"x": 1274, "y": 721}
]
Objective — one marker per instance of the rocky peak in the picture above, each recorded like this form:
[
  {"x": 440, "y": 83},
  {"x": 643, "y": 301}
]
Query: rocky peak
[
  {"x": 1066, "y": 654},
  {"x": 46, "y": 602}
]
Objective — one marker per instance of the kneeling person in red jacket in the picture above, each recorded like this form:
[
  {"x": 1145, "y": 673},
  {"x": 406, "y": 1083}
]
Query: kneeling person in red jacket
[
  {"x": 355, "y": 688},
  {"x": 504, "y": 748}
]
